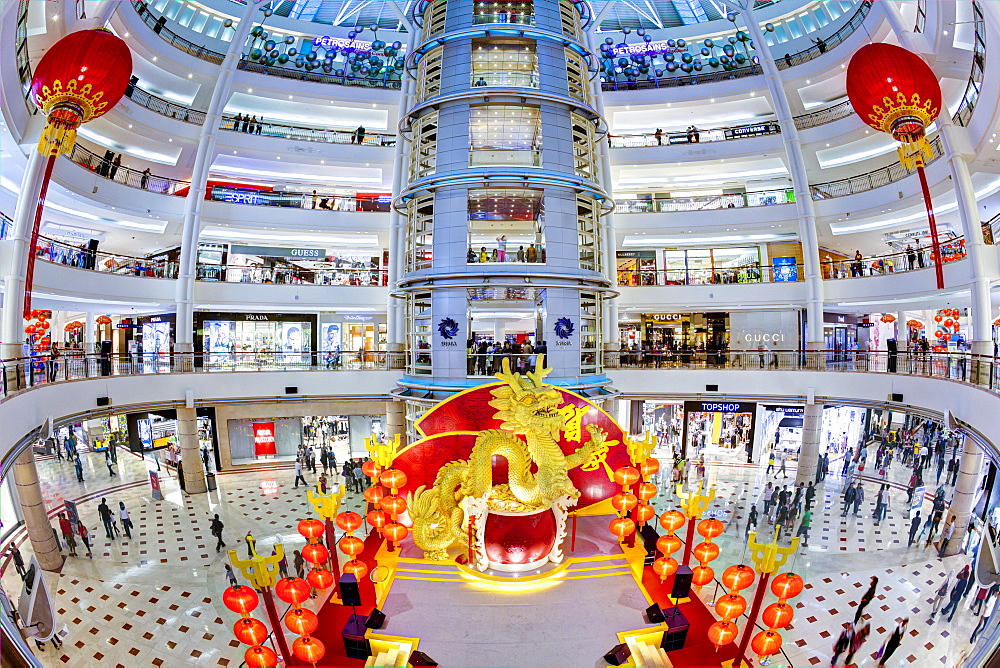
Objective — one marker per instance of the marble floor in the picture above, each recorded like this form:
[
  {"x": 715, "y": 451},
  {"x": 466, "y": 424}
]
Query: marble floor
[{"x": 156, "y": 599}]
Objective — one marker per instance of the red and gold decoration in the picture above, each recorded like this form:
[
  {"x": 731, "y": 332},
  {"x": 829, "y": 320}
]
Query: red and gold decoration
[
  {"x": 948, "y": 324},
  {"x": 326, "y": 506},
  {"x": 624, "y": 501},
  {"x": 777, "y": 615},
  {"x": 243, "y": 600},
  {"x": 888, "y": 318},
  {"x": 262, "y": 573},
  {"x": 316, "y": 554},
  {"x": 80, "y": 77},
  {"x": 38, "y": 334},
  {"x": 732, "y": 605},
  {"x": 301, "y": 621},
  {"x": 393, "y": 505},
  {"x": 350, "y": 544},
  {"x": 694, "y": 504},
  {"x": 668, "y": 543},
  {"x": 706, "y": 551},
  {"x": 894, "y": 91}
]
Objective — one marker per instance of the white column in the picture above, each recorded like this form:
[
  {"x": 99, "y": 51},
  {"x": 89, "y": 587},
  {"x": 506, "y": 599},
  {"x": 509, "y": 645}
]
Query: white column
[
  {"x": 970, "y": 472},
  {"x": 15, "y": 257},
  {"x": 36, "y": 520},
  {"x": 199, "y": 178},
  {"x": 800, "y": 184},
  {"x": 90, "y": 334},
  {"x": 187, "y": 440},
  {"x": 812, "y": 432}
]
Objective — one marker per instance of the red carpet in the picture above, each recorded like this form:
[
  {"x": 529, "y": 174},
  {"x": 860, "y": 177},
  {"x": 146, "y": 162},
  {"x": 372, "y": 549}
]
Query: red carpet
[
  {"x": 332, "y": 617},
  {"x": 697, "y": 650}
]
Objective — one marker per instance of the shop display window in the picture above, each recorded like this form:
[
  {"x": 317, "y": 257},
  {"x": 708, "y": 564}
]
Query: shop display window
[{"x": 261, "y": 344}]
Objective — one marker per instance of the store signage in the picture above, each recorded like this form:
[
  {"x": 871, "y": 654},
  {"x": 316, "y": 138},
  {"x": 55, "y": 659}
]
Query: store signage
[
  {"x": 563, "y": 328},
  {"x": 128, "y": 325},
  {"x": 646, "y": 49},
  {"x": 866, "y": 324},
  {"x": 241, "y": 197},
  {"x": 645, "y": 254},
  {"x": 263, "y": 438},
  {"x": 448, "y": 328},
  {"x": 785, "y": 270},
  {"x": 720, "y": 407},
  {"x": 750, "y": 130},
  {"x": 342, "y": 44},
  {"x": 154, "y": 486},
  {"x": 255, "y": 316},
  {"x": 678, "y": 139},
  {"x": 787, "y": 410},
  {"x": 757, "y": 337},
  {"x": 359, "y": 318},
  {"x": 278, "y": 251},
  {"x": 665, "y": 317}
]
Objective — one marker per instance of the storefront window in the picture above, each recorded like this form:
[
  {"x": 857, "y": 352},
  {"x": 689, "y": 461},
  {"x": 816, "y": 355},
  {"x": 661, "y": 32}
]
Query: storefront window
[
  {"x": 309, "y": 266},
  {"x": 252, "y": 440},
  {"x": 257, "y": 340}
]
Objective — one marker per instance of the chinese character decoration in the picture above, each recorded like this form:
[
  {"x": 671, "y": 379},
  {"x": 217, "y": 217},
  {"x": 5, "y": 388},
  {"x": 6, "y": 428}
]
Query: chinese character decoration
[
  {"x": 667, "y": 544},
  {"x": 732, "y": 605}
]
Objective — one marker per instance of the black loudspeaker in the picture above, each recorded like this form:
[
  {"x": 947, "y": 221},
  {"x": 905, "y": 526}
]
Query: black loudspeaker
[
  {"x": 618, "y": 655},
  {"x": 897, "y": 398},
  {"x": 418, "y": 658},
  {"x": 103, "y": 401},
  {"x": 711, "y": 388},
  {"x": 349, "y": 592},
  {"x": 376, "y": 619},
  {"x": 677, "y": 630},
  {"x": 291, "y": 390},
  {"x": 654, "y": 614},
  {"x": 682, "y": 582}
]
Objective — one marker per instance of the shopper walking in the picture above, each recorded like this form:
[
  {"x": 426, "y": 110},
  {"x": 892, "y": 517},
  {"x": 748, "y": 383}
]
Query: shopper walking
[
  {"x": 781, "y": 467},
  {"x": 66, "y": 527},
  {"x": 216, "y": 527},
  {"x": 849, "y": 495},
  {"x": 941, "y": 594},
  {"x": 860, "y": 636},
  {"x": 109, "y": 462},
  {"x": 986, "y": 616},
  {"x": 804, "y": 526},
  {"x": 231, "y": 576},
  {"x": 914, "y": 527},
  {"x": 125, "y": 519},
  {"x": 299, "y": 562},
  {"x": 78, "y": 465},
  {"x": 949, "y": 529},
  {"x": 893, "y": 642},
  {"x": 955, "y": 596},
  {"x": 251, "y": 543},
  {"x": 866, "y": 599},
  {"x": 85, "y": 537},
  {"x": 859, "y": 497},
  {"x": 843, "y": 642},
  {"x": 105, "y": 512},
  {"x": 298, "y": 473}
]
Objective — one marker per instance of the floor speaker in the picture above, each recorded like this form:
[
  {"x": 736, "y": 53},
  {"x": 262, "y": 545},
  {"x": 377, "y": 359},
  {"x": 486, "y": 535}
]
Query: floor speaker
[
  {"x": 677, "y": 629},
  {"x": 654, "y": 614},
  {"x": 418, "y": 658},
  {"x": 376, "y": 619},
  {"x": 682, "y": 582},
  {"x": 350, "y": 594},
  {"x": 618, "y": 655}
]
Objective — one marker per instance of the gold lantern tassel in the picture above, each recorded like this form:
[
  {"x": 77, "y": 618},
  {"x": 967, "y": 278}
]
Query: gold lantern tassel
[
  {"x": 915, "y": 153},
  {"x": 59, "y": 135}
]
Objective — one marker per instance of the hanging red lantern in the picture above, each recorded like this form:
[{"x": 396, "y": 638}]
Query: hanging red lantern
[
  {"x": 308, "y": 649},
  {"x": 938, "y": 318},
  {"x": 649, "y": 467},
  {"x": 731, "y": 606},
  {"x": 665, "y": 567},
  {"x": 376, "y": 518},
  {"x": 888, "y": 318},
  {"x": 672, "y": 520},
  {"x": 250, "y": 631},
  {"x": 621, "y": 527},
  {"x": 738, "y": 576},
  {"x": 349, "y": 521},
  {"x": 311, "y": 528},
  {"x": 356, "y": 568},
  {"x": 668, "y": 544},
  {"x": 240, "y": 599},
  {"x": 645, "y": 491},
  {"x": 375, "y": 494},
  {"x": 644, "y": 512},
  {"x": 370, "y": 469},
  {"x": 103, "y": 320},
  {"x": 260, "y": 656},
  {"x": 778, "y": 615},
  {"x": 949, "y": 323},
  {"x": 766, "y": 643},
  {"x": 301, "y": 621},
  {"x": 722, "y": 633},
  {"x": 939, "y": 334},
  {"x": 711, "y": 527},
  {"x": 626, "y": 476},
  {"x": 30, "y": 329},
  {"x": 392, "y": 478},
  {"x": 787, "y": 585},
  {"x": 292, "y": 590},
  {"x": 706, "y": 551},
  {"x": 315, "y": 553},
  {"x": 320, "y": 578},
  {"x": 80, "y": 77},
  {"x": 351, "y": 545},
  {"x": 624, "y": 501},
  {"x": 702, "y": 575},
  {"x": 395, "y": 532},
  {"x": 394, "y": 505}
]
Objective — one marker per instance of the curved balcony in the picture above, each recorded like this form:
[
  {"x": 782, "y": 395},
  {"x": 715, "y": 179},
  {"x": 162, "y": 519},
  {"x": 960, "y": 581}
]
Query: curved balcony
[
  {"x": 267, "y": 128},
  {"x": 695, "y": 136},
  {"x": 787, "y": 61}
]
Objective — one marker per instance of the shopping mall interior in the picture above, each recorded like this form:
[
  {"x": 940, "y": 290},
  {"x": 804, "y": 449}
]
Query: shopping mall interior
[{"x": 500, "y": 333}]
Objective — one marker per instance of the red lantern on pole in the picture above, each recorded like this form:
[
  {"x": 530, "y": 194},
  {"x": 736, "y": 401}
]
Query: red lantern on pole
[
  {"x": 351, "y": 546},
  {"x": 766, "y": 643},
  {"x": 376, "y": 518},
  {"x": 311, "y": 528},
  {"x": 731, "y": 606},
  {"x": 240, "y": 599},
  {"x": 622, "y": 527},
  {"x": 668, "y": 544},
  {"x": 665, "y": 567},
  {"x": 394, "y": 505},
  {"x": 392, "y": 478},
  {"x": 777, "y": 615},
  {"x": 624, "y": 501},
  {"x": 356, "y": 568},
  {"x": 626, "y": 476},
  {"x": 301, "y": 621},
  {"x": 894, "y": 91},
  {"x": 292, "y": 590},
  {"x": 395, "y": 532},
  {"x": 644, "y": 512},
  {"x": 260, "y": 656},
  {"x": 787, "y": 585},
  {"x": 308, "y": 649},
  {"x": 315, "y": 553},
  {"x": 320, "y": 578},
  {"x": 649, "y": 467},
  {"x": 375, "y": 494},
  {"x": 738, "y": 576},
  {"x": 672, "y": 520},
  {"x": 702, "y": 575},
  {"x": 349, "y": 521},
  {"x": 722, "y": 633},
  {"x": 250, "y": 631}
]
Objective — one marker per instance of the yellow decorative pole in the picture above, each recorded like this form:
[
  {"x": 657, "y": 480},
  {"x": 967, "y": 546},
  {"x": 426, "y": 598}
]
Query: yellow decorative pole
[
  {"x": 262, "y": 573},
  {"x": 327, "y": 506},
  {"x": 694, "y": 504},
  {"x": 767, "y": 559}
]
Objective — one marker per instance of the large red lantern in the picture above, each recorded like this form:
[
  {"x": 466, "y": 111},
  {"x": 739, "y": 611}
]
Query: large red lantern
[
  {"x": 241, "y": 599},
  {"x": 766, "y": 643},
  {"x": 320, "y": 578},
  {"x": 668, "y": 544},
  {"x": 315, "y": 553},
  {"x": 645, "y": 491},
  {"x": 349, "y": 521},
  {"x": 356, "y": 567},
  {"x": 722, "y": 633},
  {"x": 311, "y": 528},
  {"x": 644, "y": 512},
  {"x": 623, "y": 501},
  {"x": 711, "y": 528},
  {"x": 738, "y": 576},
  {"x": 731, "y": 606},
  {"x": 626, "y": 476},
  {"x": 250, "y": 631},
  {"x": 308, "y": 649},
  {"x": 301, "y": 621},
  {"x": 778, "y": 615},
  {"x": 370, "y": 469},
  {"x": 621, "y": 527},
  {"x": 392, "y": 478},
  {"x": 375, "y": 494},
  {"x": 665, "y": 567},
  {"x": 787, "y": 585},
  {"x": 394, "y": 505},
  {"x": 377, "y": 518},
  {"x": 672, "y": 520},
  {"x": 894, "y": 91},
  {"x": 706, "y": 551},
  {"x": 649, "y": 467},
  {"x": 260, "y": 656},
  {"x": 292, "y": 590},
  {"x": 351, "y": 545},
  {"x": 702, "y": 575},
  {"x": 395, "y": 531}
]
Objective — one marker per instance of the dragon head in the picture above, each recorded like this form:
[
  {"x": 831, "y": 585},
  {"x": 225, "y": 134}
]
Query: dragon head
[{"x": 526, "y": 404}]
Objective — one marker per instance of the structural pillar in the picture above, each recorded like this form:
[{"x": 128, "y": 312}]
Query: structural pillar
[
  {"x": 800, "y": 184},
  {"x": 812, "y": 434},
  {"x": 36, "y": 519},
  {"x": 187, "y": 439},
  {"x": 395, "y": 421},
  {"x": 191, "y": 230},
  {"x": 970, "y": 475}
]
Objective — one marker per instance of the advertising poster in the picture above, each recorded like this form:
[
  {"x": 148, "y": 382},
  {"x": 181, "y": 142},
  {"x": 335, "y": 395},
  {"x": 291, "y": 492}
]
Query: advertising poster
[
  {"x": 291, "y": 341},
  {"x": 218, "y": 340},
  {"x": 330, "y": 343},
  {"x": 263, "y": 439},
  {"x": 154, "y": 485},
  {"x": 73, "y": 515},
  {"x": 155, "y": 341},
  {"x": 145, "y": 428},
  {"x": 785, "y": 270}
]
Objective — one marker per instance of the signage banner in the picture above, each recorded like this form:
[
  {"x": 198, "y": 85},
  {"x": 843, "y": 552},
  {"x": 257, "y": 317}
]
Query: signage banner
[
  {"x": 154, "y": 485},
  {"x": 665, "y": 317},
  {"x": 787, "y": 410},
  {"x": 720, "y": 406},
  {"x": 276, "y": 251},
  {"x": 73, "y": 515},
  {"x": 263, "y": 438},
  {"x": 917, "y": 500},
  {"x": 785, "y": 270}
]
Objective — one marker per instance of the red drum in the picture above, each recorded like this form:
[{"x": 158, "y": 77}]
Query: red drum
[{"x": 519, "y": 541}]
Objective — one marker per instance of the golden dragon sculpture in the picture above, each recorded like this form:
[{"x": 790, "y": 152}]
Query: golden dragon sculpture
[{"x": 528, "y": 408}]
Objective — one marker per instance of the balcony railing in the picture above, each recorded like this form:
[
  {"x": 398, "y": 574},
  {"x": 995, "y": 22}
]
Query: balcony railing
[
  {"x": 339, "y": 276},
  {"x": 972, "y": 88},
  {"x": 132, "y": 178},
  {"x": 870, "y": 180},
  {"x": 60, "y": 252},
  {"x": 737, "y": 201},
  {"x": 823, "y": 116},
  {"x": 505, "y": 157},
  {"x": 511, "y": 79},
  {"x": 504, "y": 17},
  {"x": 725, "y": 275},
  {"x": 696, "y": 136}
]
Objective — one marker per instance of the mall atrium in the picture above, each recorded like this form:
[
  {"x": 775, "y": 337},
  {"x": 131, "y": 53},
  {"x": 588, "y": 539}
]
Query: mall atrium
[{"x": 431, "y": 332}]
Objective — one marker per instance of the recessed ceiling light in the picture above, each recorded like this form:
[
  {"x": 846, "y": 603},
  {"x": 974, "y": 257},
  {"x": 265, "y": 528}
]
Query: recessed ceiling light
[
  {"x": 190, "y": 75},
  {"x": 249, "y": 90},
  {"x": 155, "y": 58}
]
